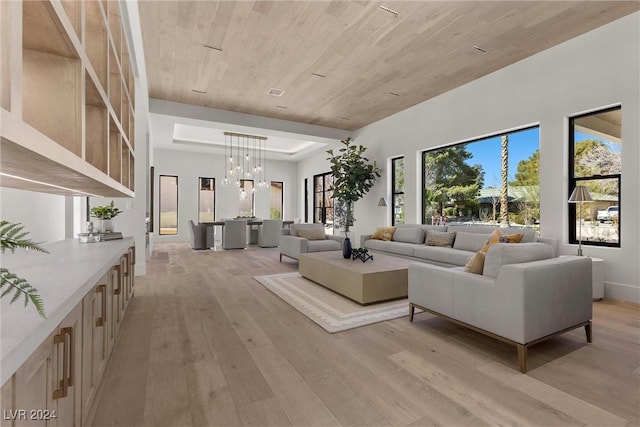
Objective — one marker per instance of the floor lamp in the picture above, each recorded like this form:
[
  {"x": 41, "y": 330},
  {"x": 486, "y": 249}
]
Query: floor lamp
[
  {"x": 383, "y": 204},
  {"x": 580, "y": 195}
]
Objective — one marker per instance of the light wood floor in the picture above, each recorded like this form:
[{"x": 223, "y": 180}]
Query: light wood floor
[{"x": 203, "y": 344}]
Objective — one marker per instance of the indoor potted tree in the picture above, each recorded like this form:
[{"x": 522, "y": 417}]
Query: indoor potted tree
[
  {"x": 353, "y": 177},
  {"x": 105, "y": 214}
]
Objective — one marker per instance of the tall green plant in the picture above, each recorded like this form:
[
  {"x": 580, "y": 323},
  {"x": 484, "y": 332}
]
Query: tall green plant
[
  {"x": 353, "y": 177},
  {"x": 12, "y": 236}
]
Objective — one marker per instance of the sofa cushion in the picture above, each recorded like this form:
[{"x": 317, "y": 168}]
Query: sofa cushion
[
  {"x": 409, "y": 235},
  {"x": 294, "y": 228},
  {"x": 323, "y": 245},
  {"x": 311, "y": 234},
  {"x": 440, "y": 238},
  {"x": 399, "y": 248},
  {"x": 472, "y": 242},
  {"x": 504, "y": 253},
  {"x": 383, "y": 233},
  {"x": 447, "y": 256}
]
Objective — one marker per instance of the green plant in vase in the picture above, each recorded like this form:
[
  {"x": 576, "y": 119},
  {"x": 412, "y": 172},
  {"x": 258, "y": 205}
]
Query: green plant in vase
[
  {"x": 105, "y": 214},
  {"x": 12, "y": 236},
  {"x": 353, "y": 177}
]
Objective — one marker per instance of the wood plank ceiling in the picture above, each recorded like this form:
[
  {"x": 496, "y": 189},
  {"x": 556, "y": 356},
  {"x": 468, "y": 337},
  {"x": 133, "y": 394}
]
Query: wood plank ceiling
[{"x": 345, "y": 64}]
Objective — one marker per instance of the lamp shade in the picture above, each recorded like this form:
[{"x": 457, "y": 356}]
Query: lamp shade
[
  {"x": 382, "y": 202},
  {"x": 580, "y": 194}
]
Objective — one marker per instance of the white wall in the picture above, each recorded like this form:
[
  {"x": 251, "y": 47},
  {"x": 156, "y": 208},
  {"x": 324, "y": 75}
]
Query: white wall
[
  {"x": 598, "y": 69},
  {"x": 190, "y": 166},
  {"x": 43, "y": 215}
]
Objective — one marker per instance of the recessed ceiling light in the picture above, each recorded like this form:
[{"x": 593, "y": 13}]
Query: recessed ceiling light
[
  {"x": 198, "y": 91},
  {"x": 275, "y": 92},
  {"x": 391, "y": 11},
  {"x": 479, "y": 48},
  {"x": 318, "y": 75},
  {"x": 281, "y": 106},
  {"x": 212, "y": 47},
  {"x": 394, "y": 94}
]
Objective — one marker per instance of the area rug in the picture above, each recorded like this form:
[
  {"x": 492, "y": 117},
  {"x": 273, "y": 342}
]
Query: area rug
[{"x": 331, "y": 311}]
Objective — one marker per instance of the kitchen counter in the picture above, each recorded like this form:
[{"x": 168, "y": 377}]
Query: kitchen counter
[{"x": 62, "y": 278}]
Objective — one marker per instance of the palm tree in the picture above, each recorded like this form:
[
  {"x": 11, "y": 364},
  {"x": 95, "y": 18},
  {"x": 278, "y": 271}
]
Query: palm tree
[{"x": 504, "y": 170}]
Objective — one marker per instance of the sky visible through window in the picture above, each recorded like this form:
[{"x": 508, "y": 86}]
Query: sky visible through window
[{"x": 522, "y": 144}]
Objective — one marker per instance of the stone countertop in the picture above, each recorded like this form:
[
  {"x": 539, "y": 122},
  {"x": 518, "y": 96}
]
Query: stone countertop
[{"x": 62, "y": 278}]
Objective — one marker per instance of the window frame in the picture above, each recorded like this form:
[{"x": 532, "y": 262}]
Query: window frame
[
  {"x": 160, "y": 206},
  {"x": 465, "y": 142},
  {"x": 395, "y": 193},
  {"x": 281, "y": 198},
  {"x": 324, "y": 191},
  {"x": 200, "y": 178},
  {"x": 573, "y": 182}
]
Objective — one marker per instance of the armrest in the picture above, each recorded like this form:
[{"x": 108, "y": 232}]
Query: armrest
[
  {"x": 293, "y": 246},
  {"x": 364, "y": 238}
]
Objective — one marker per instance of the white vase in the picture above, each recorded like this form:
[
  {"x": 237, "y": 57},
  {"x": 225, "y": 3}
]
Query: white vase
[{"x": 105, "y": 226}]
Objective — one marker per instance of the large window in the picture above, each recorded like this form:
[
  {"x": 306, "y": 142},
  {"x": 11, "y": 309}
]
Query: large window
[
  {"x": 168, "y": 204},
  {"x": 322, "y": 199},
  {"x": 397, "y": 198},
  {"x": 488, "y": 181},
  {"x": 595, "y": 161},
  {"x": 206, "y": 199},
  {"x": 247, "y": 198},
  {"x": 276, "y": 200}
]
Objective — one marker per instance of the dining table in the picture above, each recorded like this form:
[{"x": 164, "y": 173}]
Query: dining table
[{"x": 251, "y": 223}]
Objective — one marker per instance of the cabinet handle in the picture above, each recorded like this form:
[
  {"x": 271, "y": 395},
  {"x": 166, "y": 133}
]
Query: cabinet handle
[
  {"x": 103, "y": 290},
  {"x": 126, "y": 265},
  {"x": 67, "y": 362},
  {"x": 116, "y": 291}
]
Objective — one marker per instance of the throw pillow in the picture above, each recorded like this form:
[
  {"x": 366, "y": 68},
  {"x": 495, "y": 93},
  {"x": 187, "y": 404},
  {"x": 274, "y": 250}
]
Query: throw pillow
[
  {"x": 440, "y": 238},
  {"x": 383, "y": 233},
  {"x": 311, "y": 234},
  {"x": 494, "y": 238},
  {"x": 511, "y": 238},
  {"x": 475, "y": 264}
]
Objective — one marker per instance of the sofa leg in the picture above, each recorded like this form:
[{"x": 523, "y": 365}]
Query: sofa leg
[
  {"x": 522, "y": 357},
  {"x": 411, "y": 310},
  {"x": 587, "y": 329},
  {"x": 280, "y": 257}
]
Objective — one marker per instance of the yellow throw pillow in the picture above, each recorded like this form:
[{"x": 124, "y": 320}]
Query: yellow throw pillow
[
  {"x": 475, "y": 264},
  {"x": 494, "y": 238},
  {"x": 511, "y": 238},
  {"x": 384, "y": 233}
]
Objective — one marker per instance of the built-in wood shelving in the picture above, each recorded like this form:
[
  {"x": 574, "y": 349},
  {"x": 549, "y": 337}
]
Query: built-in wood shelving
[{"x": 67, "y": 98}]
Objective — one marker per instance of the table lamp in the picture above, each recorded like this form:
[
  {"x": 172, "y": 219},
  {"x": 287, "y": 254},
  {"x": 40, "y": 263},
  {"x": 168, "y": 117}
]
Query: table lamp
[{"x": 580, "y": 195}]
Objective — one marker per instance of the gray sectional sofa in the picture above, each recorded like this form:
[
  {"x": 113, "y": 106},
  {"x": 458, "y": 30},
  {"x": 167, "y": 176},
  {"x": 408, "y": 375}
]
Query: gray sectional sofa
[{"x": 409, "y": 242}]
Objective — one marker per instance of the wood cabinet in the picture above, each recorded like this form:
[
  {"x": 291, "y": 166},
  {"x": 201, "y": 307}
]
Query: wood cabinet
[
  {"x": 67, "y": 100},
  {"x": 47, "y": 387},
  {"x": 95, "y": 352},
  {"x": 58, "y": 383}
]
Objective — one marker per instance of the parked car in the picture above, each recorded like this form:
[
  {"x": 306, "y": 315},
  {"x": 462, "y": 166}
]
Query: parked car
[{"x": 609, "y": 214}]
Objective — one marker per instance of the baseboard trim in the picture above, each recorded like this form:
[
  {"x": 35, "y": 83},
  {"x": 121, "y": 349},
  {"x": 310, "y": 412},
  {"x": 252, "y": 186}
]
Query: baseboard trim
[{"x": 622, "y": 292}]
